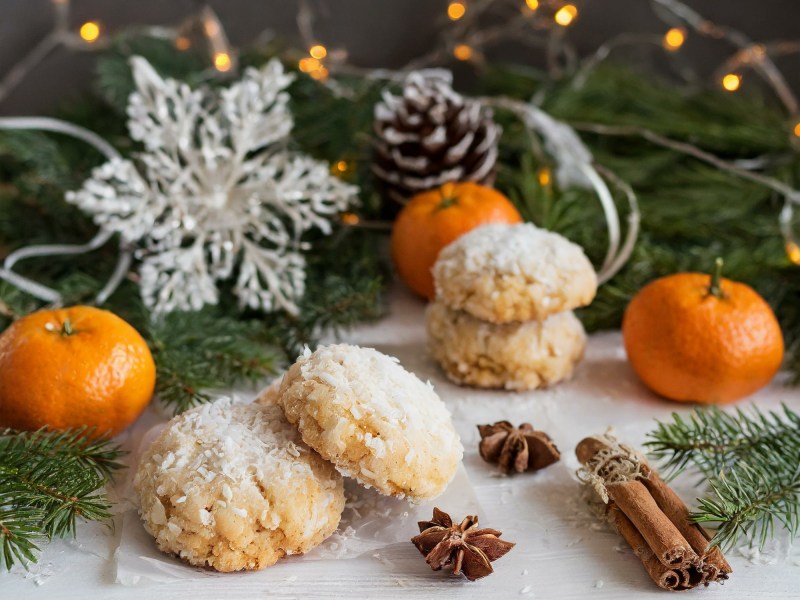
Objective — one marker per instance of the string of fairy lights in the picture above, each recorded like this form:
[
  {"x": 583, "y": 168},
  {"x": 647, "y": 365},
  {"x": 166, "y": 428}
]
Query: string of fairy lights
[
  {"x": 467, "y": 38},
  {"x": 91, "y": 35}
]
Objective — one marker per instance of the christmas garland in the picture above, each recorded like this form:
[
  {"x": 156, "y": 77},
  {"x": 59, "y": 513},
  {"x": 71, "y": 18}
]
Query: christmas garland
[{"x": 691, "y": 212}]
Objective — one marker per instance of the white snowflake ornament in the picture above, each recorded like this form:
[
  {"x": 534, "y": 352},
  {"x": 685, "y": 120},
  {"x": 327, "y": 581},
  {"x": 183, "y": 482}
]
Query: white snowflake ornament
[{"x": 216, "y": 194}]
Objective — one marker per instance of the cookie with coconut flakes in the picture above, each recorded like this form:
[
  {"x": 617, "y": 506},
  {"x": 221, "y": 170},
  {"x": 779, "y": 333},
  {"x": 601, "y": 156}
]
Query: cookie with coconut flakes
[
  {"x": 512, "y": 356},
  {"x": 232, "y": 487},
  {"x": 271, "y": 394},
  {"x": 374, "y": 420},
  {"x": 503, "y": 273}
]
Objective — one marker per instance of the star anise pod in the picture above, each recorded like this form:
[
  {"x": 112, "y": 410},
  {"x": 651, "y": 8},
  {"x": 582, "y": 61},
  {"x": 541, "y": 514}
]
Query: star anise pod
[
  {"x": 470, "y": 550},
  {"x": 517, "y": 448}
]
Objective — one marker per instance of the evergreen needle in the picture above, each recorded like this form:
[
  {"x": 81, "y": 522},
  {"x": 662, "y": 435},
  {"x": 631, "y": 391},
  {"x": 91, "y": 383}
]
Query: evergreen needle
[
  {"x": 750, "y": 461},
  {"x": 49, "y": 479}
]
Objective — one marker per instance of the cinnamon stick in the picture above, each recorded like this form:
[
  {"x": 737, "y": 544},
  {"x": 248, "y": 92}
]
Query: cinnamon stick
[
  {"x": 661, "y": 535},
  {"x": 651, "y": 517},
  {"x": 714, "y": 563},
  {"x": 669, "y": 578}
]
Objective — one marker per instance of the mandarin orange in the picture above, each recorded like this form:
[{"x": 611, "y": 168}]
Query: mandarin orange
[
  {"x": 433, "y": 219},
  {"x": 701, "y": 338},
  {"x": 74, "y": 367}
]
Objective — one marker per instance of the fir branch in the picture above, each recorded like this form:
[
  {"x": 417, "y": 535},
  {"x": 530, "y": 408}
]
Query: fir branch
[
  {"x": 713, "y": 440},
  {"x": 198, "y": 351},
  {"x": 750, "y": 499},
  {"x": 20, "y": 528},
  {"x": 49, "y": 479},
  {"x": 70, "y": 446},
  {"x": 750, "y": 461}
]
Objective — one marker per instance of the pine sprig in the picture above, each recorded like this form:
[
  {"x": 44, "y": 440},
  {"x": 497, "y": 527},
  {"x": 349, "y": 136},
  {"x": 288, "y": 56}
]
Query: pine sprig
[
  {"x": 714, "y": 440},
  {"x": 750, "y": 500},
  {"x": 195, "y": 352},
  {"x": 49, "y": 479},
  {"x": 751, "y": 463}
]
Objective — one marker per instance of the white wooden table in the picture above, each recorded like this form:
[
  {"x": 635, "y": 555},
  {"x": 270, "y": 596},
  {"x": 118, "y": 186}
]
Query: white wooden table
[{"x": 561, "y": 552}]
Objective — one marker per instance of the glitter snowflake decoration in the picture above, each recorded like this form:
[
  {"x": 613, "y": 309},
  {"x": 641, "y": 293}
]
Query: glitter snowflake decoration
[{"x": 216, "y": 194}]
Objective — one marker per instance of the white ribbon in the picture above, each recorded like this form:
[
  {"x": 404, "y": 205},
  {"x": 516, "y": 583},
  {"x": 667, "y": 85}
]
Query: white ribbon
[
  {"x": 123, "y": 263},
  {"x": 575, "y": 167}
]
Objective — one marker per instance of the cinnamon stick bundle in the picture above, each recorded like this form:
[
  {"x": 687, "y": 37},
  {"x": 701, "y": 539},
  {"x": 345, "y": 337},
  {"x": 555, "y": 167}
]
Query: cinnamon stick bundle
[{"x": 650, "y": 516}]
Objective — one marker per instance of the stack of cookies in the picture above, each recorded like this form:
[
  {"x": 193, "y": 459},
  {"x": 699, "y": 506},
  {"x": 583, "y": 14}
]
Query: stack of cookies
[
  {"x": 502, "y": 317},
  {"x": 239, "y": 486}
]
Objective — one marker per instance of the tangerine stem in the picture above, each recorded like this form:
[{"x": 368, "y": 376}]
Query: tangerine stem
[
  {"x": 447, "y": 202},
  {"x": 66, "y": 328},
  {"x": 715, "y": 289},
  {"x": 448, "y": 197}
]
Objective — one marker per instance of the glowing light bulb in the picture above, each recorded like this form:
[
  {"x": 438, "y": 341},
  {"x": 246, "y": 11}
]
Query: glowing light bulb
[
  {"x": 222, "y": 62},
  {"x": 182, "y": 43},
  {"x": 674, "y": 39},
  {"x": 796, "y": 129},
  {"x": 566, "y": 15},
  {"x": 732, "y": 82},
  {"x": 456, "y": 10},
  {"x": 462, "y": 52},
  {"x": 544, "y": 176},
  {"x": 532, "y": 4},
  {"x": 341, "y": 166},
  {"x": 350, "y": 219},
  {"x": 793, "y": 251},
  {"x": 319, "y": 73},
  {"x": 90, "y": 31},
  {"x": 318, "y": 51},
  {"x": 307, "y": 65}
]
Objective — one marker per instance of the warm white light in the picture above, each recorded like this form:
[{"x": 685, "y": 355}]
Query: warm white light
[
  {"x": 793, "y": 251},
  {"x": 544, "y": 176},
  {"x": 532, "y": 4},
  {"x": 222, "y": 62},
  {"x": 306, "y": 65},
  {"x": 350, "y": 219},
  {"x": 731, "y": 82},
  {"x": 319, "y": 73},
  {"x": 90, "y": 31},
  {"x": 456, "y": 10},
  {"x": 566, "y": 14},
  {"x": 318, "y": 51},
  {"x": 674, "y": 39},
  {"x": 462, "y": 52}
]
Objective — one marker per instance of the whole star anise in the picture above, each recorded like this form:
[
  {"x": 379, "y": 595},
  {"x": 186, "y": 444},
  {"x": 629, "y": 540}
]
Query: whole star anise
[
  {"x": 517, "y": 448},
  {"x": 470, "y": 550}
]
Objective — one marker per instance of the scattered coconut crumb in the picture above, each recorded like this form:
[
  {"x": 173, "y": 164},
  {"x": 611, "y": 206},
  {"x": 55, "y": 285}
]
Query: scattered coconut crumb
[
  {"x": 574, "y": 542},
  {"x": 756, "y": 556}
]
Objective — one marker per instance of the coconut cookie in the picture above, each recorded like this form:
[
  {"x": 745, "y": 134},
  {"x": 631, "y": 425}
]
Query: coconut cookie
[
  {"x": 271, "y": 394},
  {"x": 373, "y": 419},
  {"x": 514, "y": 356},
  {"x": 503, "y": 273},
  {"x": 232, "y": 486}
]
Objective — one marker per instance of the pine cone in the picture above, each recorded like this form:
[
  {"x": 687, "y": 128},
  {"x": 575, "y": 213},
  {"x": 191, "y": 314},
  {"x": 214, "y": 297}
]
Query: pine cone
[{"x": 431, "y": 135}]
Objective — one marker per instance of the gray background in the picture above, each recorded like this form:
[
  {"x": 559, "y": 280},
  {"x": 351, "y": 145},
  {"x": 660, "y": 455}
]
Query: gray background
[{"x": 374, "y": 32}]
